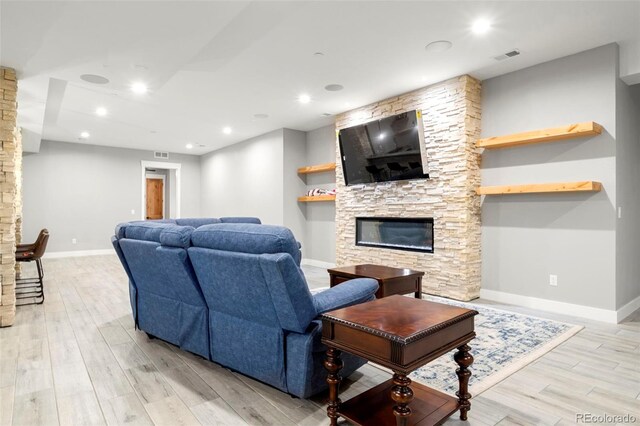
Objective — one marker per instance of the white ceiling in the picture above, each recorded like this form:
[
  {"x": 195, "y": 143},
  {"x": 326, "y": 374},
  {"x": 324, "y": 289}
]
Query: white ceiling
[{"x": 215, "y": 64}]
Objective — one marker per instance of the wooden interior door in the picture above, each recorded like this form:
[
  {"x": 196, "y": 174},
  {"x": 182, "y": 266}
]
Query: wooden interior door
[{"x": 155, "y": 198}]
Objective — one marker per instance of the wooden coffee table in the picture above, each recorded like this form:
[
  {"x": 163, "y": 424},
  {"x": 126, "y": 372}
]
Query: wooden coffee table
[
  {"x": 391, "y": 280},
  {"x": 402, "y": 334}
]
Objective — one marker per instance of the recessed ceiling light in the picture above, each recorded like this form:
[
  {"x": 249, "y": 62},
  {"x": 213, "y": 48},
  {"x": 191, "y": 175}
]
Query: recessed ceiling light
[
  {"x": 94, "y": 78},
  {"x": 189, "y": 146},
  {"x": 84, "y": 135},
  {"x": 101, "y": 111},
  {"x": 326, "y": 114},
  {"x": 333, "y": 87},
  {"x": 260, "y": 116},
  {"x": 481, "y": 26},
  {"x": 304, "y": 98},
  {"x": 438, "y": 46},
  {"x": 318, "y": 54},
  {"x": 139, "y": 88},
  {"x": 226, "y": 130}
]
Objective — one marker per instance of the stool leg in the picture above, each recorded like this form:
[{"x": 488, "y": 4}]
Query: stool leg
[
  {"x": 333, "y": 364},
  {"x": 41, "y": 279},
  {"x": 402, "y": 395},
  {"x": 464, "y": 359}
]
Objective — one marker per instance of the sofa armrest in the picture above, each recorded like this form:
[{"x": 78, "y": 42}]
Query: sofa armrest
[{"x": 349, "y": 293}]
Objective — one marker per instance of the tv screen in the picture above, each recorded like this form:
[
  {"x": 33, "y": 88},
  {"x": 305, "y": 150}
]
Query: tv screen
[{"x": 384, "y": 150}]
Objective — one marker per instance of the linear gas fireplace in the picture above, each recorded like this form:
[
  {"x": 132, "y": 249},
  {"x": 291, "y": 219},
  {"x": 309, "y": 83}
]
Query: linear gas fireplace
[{"x": 399, "y": 233}]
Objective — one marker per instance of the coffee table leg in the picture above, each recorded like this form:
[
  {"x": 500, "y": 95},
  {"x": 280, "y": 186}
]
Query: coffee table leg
[
  {"x": 464, "y": 359},
  {"x": 333, "y": 364},
  {"x": 402, "y": 395},
  {"x": 418, "y": 294}
]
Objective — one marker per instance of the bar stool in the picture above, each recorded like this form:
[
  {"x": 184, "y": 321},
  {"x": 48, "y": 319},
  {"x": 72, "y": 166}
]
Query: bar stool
[{"x": 32, "y": 288}]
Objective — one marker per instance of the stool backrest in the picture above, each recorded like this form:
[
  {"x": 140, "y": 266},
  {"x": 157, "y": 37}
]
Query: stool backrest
[{"x": 41, "y": 244}]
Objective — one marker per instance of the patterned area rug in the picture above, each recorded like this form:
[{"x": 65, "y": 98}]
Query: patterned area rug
[{"x": 505, "y": 342}]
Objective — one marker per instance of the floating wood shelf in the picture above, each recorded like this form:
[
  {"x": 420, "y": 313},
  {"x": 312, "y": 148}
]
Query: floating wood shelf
[
  {"x": 588, "y": 128},
  {"x": 533, "y": 188},
  {"x": 317, "y": 168},
  {"x": 312, "y": 198}
]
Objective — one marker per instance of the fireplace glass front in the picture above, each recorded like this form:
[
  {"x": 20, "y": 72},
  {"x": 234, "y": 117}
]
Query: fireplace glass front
[{"x": 413, "y": 234}]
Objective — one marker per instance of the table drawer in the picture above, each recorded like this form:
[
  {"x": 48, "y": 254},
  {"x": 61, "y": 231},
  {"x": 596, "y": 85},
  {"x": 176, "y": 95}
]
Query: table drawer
[{"x": 400, "y": 286}]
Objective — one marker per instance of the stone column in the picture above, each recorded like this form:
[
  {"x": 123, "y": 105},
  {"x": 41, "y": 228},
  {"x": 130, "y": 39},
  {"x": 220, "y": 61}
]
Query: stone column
[
  {"x": 8, "y": 154},
  {"x": 18, "y": 199}
]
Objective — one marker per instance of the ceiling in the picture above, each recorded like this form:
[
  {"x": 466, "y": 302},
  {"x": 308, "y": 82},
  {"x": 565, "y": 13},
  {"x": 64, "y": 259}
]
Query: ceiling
[{"x": 214, "y": 64}]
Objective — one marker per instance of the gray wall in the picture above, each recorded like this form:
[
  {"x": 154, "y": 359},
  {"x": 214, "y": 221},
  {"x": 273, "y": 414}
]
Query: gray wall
[
  {"x": 295, "y": 153},
  {"x": 82, "y": 191},
  {"x": 527, "y": 237},
  {"x": 321, "y": 217},
  {"x": 259, "y": 177},
  {"x": 245, "y": 179},
  {"x": 627, "y": 180}
]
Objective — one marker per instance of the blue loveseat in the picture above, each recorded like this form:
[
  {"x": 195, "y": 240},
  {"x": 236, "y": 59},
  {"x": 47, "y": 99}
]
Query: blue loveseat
[{"x": 233, "y": 292}]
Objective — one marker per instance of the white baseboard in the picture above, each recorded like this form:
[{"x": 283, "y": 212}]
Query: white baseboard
[
  {"x": 318, "y": 263},
  {"x": 628, "y": 309},
  {"x": 581, "y": 311},
  {"x": 80, "y": 253}
]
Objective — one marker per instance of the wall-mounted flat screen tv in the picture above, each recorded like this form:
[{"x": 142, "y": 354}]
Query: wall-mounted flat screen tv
[{"x": 389, "y": 149}]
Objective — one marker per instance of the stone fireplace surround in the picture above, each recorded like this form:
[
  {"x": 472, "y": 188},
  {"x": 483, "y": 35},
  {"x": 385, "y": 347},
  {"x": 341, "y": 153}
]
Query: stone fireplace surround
[
  {"x": 451, "y": 114},
  {"x": 10, "y": 194}
]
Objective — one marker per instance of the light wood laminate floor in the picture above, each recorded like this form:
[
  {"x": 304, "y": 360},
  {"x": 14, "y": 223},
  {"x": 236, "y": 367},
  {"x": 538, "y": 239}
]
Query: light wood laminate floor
[{"x": 78, "y": 360}]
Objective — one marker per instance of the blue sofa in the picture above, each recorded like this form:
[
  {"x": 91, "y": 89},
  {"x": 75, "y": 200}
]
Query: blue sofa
[{"x": 233, "y": 292}]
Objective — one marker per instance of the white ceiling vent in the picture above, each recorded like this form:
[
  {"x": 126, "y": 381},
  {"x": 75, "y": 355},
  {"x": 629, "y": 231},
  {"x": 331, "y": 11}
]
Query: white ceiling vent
[
  {"x": 514, "y": 52},
  {"x": 162, "y": 155}
]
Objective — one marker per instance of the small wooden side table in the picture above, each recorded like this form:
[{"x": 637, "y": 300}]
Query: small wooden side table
[
  {"x": 391, "y": 280},
  {"x": 402, "y": 334}
]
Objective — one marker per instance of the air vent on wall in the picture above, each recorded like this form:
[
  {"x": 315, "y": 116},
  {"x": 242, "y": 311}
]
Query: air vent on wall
[
  {"x": 159, "y": 154},
  {"x": 514, "y": 52}
]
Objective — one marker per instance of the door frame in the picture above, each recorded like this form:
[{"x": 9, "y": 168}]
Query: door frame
[
  {"x": 164, "y": 191},
  {"x": 143, "y": 184}
]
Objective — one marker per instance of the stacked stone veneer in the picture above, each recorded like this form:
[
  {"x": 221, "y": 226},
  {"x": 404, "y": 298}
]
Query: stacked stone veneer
[
  {"x": 9, "y": 139},
  {"x": 18, "y": 198},
  {"x": 451, "y": 115}
]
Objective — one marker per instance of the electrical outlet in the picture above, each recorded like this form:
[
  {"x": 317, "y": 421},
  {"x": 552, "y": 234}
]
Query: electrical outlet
[
  {"x": 553, "y": 280},
  {"x": 73, "y": 241},
  {"x": 133, "y": 211},
  {"x": 619, "y": 212}
]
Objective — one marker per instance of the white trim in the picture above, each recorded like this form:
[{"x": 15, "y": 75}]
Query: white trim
[
  {"x": 159, "y": 165},
  {"x": 317, "y": 263},
  {"x": 164, "y": 189},
  {"x": 80, "y": 253},
  {"x": 628, "y": 309},
  {"x": 581, "y": 311}
]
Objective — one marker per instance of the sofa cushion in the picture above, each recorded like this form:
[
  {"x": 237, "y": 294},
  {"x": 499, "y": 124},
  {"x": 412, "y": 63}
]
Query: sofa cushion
[
  {"x": 197, "y": 222},
  {"x": 146, "y": 231},
  {"x": 176, "y": 236},
  {"x": 240, "y": 219},
  {"x": 119, "y": 232},
  {"x": 246, "y": 238}
]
